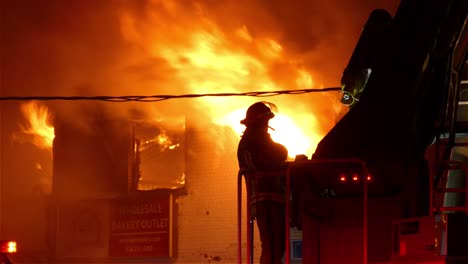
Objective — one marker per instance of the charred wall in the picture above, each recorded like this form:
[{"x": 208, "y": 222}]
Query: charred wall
[{"x": 91, "y": 163}]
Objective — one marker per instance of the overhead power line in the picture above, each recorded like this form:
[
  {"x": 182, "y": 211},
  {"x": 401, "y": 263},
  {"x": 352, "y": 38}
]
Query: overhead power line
[{"x": 156, "y": 98}]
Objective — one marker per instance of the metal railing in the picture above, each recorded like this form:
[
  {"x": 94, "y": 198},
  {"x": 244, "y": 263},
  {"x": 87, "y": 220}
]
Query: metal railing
[{"x": 249, "y": 219}]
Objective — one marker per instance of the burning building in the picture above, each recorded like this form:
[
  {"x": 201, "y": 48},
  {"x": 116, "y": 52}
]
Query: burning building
[{"x": 105, "y": 154}]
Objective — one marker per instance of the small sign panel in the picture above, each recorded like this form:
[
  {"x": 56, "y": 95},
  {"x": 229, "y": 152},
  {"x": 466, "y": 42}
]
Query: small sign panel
[
  {"x": 409, "y": 228},
  {"x": 296, "y": 249},
  {"x": 141, "y": 226}
]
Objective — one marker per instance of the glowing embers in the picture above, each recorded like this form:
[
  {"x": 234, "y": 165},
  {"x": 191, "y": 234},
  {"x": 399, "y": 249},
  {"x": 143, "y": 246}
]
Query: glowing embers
[
  {"x": 353, "y": 178},
  {"x": 8, "y": 246},
  {"x": 163, "y": 140}
]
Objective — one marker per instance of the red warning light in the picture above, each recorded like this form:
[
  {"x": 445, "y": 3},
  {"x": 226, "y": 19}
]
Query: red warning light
[
  {"x": 355, "y": 178},
  {"x": 369, "y": 177},
  {"x": 343, "y": 178},
  {"x": 7, "y": 246}
]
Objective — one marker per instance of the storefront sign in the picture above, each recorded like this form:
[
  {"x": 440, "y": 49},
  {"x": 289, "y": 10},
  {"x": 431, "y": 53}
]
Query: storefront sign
[{"x": 142, "y": 226}]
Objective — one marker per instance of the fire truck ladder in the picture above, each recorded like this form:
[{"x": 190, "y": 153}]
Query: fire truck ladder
[
  {"x": 454, "y": 121},
  {"x": 250, "y": 221},
  {"x": 438, "y": 206}
]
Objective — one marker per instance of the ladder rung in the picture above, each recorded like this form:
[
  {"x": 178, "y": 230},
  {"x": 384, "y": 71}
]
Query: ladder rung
[
  {"x": 455, "y": 190},
  {"x": 464, "y": 102},
  {"x": 464, "y": 82},
  {"x": 455, "y": 164},
  {"x": 451, "y": 208}
]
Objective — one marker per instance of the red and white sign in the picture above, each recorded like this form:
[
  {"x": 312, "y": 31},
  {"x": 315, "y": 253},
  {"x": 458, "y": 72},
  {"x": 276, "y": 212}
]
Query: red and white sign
[{"x": 141, "y": 225}]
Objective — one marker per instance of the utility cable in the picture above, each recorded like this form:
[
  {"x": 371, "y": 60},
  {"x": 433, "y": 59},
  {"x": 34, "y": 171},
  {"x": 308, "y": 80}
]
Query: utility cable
[{"x": 156, "y": 98}]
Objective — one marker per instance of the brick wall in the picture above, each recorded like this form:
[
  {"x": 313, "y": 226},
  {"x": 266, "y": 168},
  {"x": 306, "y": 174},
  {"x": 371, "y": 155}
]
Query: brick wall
[{"x": 207, "y": 220}]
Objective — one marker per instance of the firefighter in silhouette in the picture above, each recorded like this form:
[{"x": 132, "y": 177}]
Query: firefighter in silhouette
[{"x": 263, "y": 161}]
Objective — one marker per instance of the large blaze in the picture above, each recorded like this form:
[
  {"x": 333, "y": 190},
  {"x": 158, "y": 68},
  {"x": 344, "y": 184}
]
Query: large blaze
[
  {"x": 208, "y": 59},
  {"x": 38, "y": 125},
  {"x": 295, "y": 135},
  {"x": 156, "y": 47},
  {"x": 287, "y": 130}
]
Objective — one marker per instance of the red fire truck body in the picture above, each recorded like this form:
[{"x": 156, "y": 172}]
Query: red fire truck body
[{"x": 388, "y": 183}]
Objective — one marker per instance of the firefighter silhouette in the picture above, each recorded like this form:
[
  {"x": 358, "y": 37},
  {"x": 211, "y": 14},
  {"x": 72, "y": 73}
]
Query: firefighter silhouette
[{"x": 264, "y": 162}]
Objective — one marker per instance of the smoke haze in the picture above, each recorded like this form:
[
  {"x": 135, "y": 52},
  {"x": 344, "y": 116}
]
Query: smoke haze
[{"x": 143, "y": 47}]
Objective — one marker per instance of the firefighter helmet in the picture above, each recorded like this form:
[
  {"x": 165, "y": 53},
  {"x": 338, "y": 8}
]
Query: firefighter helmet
[{"x": 259, "y": 112}]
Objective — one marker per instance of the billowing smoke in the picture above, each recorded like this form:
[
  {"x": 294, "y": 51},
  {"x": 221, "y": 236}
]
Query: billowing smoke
[
  {"x": 154, "y": 47},
  {"x": 150, "y": 47}
]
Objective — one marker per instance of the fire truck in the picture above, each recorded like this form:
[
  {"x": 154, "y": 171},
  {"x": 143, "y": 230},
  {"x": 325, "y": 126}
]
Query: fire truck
[{"x": 388, "y": 183}]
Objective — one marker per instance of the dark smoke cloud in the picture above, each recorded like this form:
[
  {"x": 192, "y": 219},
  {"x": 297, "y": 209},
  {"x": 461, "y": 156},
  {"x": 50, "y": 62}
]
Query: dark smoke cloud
[{"x": 320, "y": 33}]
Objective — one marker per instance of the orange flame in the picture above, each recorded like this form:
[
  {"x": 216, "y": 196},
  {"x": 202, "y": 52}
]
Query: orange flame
[
  {"x": 298, "y": 137},
  {"x": 162, "y": 140},
  {"x": 166, "y": 142},
  {"x": 38, "y": 124},
  {"x": 207, "y": 59}
]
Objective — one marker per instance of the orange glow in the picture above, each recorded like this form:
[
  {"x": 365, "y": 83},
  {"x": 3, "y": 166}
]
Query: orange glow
[
  {"x": 204, "y": 58},
  {"x": 342, "y": 178},
  {"x": 289, "y": 131},
  {"x": 355, "y": 178},
  {"x": 38, "y": 124}
]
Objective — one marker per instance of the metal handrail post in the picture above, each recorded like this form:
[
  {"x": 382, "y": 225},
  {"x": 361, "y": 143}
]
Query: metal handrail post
[
  {"x": 250, "y": 239},
  {"x": 239, "y": 217},
  {"x": 249, "y": 221},
  {"x": 287, "y": 253},
  {"x": 365, "y": 212},
  {"x": 466, "y": 188}
]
